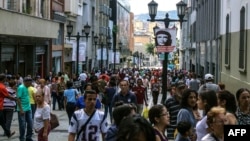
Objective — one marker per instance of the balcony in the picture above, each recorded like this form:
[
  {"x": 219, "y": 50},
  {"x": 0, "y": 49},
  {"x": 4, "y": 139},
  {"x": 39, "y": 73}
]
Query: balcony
[
  {"x": 58, "y": 16},
  {"x": 19, "y": 24},
  {"x": 73, "y": 7}
]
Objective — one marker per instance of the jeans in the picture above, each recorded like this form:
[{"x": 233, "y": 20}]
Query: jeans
[
  {"x": 33, "y": 109},
  {"x": 108, "y": 108},
  {"x": 2, "y": 123},
  {"x": 155, "y": 97},
  {"x": 55, "y": 98},
  {"x": 25, "y": 119}
]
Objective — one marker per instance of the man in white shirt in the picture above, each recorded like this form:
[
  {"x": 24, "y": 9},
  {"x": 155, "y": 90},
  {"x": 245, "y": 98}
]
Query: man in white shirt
[
  {"x": 83, "y": 77},
  {"x": 97, "y": 124}
]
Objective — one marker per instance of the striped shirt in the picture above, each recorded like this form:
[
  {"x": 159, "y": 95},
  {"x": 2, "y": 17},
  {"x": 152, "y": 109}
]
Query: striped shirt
[
  {"x": 173, "y": 106},
  {"x": 10, "y": 104}
]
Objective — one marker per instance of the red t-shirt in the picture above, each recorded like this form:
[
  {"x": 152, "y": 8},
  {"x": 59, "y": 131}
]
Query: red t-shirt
[
  {"x": 140, "y": 93},
  {"x": 3, "y": 93}
]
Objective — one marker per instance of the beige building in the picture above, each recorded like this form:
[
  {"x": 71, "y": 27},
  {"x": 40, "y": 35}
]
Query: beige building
[
  {"x": 235, "y": 61},
  {"x": 28, "y": 32}
]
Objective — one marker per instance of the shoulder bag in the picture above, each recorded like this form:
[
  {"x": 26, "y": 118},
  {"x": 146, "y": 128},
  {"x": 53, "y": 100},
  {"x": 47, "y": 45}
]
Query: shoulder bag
[{"x": 54, "y": 122}]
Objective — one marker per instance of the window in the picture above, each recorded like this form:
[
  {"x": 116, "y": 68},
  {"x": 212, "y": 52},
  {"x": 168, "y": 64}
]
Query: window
[
  {"x": 59, "y": 40},
  {"x": 243, "y": 41},
  {"x": 11, "y": 5},
  {"x": 227, "y": 43}
]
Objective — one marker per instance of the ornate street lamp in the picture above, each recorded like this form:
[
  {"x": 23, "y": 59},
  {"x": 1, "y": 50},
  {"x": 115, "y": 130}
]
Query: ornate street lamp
[
  {"x": 78, "y": 36},
  {"x": 152, "y": 8},
  {"x": 181, "y": 7}
]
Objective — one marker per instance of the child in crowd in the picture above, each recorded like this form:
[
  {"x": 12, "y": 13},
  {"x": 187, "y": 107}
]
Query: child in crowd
[{"x": 185, "y": 130}]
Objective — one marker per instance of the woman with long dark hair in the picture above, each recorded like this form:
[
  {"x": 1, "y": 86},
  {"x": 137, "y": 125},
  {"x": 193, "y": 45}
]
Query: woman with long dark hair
[
  {"x": 206, "y": 101},
  {"x": 228, "y": 101},
  {"x": 188, "y": 104}
]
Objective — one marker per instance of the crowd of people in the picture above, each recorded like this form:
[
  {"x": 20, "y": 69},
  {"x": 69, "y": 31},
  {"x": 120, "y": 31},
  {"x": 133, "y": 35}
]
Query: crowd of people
[{"x": 195, "y": 110}]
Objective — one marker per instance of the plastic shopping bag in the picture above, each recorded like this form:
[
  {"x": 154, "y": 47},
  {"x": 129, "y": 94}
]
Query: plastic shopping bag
[{"x": 145, "y": 112}]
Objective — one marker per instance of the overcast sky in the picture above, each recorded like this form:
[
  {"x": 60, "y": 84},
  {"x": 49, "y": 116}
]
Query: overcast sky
[{"x": 141, "y": 6}]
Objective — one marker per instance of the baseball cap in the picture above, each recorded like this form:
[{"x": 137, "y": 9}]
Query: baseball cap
[
  {"x": 209, "y": 76},
  {"x": 27, "y": 79}
]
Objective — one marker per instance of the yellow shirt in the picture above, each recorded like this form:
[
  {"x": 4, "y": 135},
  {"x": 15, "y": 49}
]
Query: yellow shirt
[{"x": 32, "y": 91}]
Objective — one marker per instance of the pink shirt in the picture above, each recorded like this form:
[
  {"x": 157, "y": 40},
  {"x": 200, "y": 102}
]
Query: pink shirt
[{"x": 47, "y": 94}]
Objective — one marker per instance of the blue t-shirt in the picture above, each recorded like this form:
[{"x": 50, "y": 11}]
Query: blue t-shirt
[
  {"x": 70, "y": 94},
  {"x": 80, "y": 103}
]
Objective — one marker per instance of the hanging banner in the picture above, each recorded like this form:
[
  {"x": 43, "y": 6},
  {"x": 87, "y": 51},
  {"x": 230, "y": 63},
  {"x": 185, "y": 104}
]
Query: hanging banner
[
  {"x": 110, "y": 56},
  {"x": 102, "y": 54},
  {"x": 73, "y": 50},
  {"x": 165, "y": 39},
  {"x": 82, "y": 51},
  {"x": 116, "y": 57}
]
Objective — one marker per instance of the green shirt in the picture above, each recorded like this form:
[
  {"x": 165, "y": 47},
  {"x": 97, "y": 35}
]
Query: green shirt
[{"x": 23, "y": 95}]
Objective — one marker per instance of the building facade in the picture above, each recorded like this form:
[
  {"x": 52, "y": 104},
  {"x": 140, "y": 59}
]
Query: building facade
[
  {"x": 26, "y": 35},
  {"x": 201, "y": 40},
  {"x": 234, "y": 30}
]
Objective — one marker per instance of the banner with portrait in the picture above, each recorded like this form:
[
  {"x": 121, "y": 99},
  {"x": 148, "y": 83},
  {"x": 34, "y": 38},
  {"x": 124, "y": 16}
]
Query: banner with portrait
[{"x": 165, "y": 37}]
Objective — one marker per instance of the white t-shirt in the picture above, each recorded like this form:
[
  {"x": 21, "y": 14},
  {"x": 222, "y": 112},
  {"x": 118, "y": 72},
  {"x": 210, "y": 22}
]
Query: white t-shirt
[
  {"x": 97, "y": 125},
  {"x": 40, "y": 115},
  {"x": 201, "y": 128}
]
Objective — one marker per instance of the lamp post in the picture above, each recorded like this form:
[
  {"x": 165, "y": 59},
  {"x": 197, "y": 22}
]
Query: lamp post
[
  {"x": 152, "y": 7},
  {"x": 119, "y": 44},
  {"x": 108, "y": 44},
  {"x": 120, "y": 50},
  {"x": 95, "y": 42},
  {"x": 86, "y": 30},
  {"x": 101, "y": 44}
]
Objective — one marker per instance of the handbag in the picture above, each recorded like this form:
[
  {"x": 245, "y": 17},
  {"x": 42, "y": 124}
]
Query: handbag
[{"x": 54, "y": 122}]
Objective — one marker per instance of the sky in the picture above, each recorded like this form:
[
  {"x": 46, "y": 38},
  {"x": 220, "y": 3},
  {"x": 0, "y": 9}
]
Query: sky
[{"x": 141, "y": 6}]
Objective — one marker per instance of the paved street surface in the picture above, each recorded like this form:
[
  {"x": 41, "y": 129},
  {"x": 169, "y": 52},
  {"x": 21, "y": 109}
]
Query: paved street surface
[{"x": 58, "y": 134}]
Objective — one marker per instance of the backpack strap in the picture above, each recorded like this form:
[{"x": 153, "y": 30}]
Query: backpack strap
[{"x": 104, "y": 116}]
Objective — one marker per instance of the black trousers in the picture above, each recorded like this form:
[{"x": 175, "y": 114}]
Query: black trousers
[
  {"x": 2, "y": 123},
  {"x": 70, "y": 109}
]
